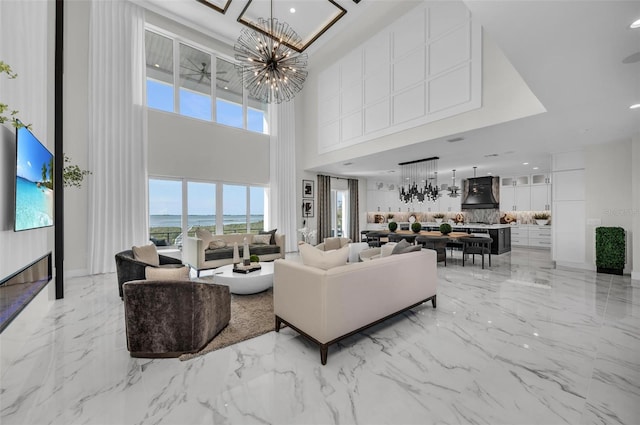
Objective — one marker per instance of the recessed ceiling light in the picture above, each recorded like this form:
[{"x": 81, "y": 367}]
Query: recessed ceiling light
[
  {"x": 535, "y": 168},
  {"x": 157, "y": 66},
  {"x": 489, "y": 173},
  {"x": 525, "y": 163},
  {"x": 635, "y": 106},
  {"x": 292, "y": 10},
  {"x": 226, "y": 88},
  {"x": 636, "y": 24}
]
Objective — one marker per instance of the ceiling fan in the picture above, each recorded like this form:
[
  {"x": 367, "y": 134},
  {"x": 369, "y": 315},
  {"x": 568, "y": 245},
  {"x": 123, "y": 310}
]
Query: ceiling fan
[{"x": 201, "y": 71}]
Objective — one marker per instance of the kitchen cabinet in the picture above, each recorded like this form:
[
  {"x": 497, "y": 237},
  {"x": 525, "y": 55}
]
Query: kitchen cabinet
[
  {"x": 501, "y": 240},
  {"x": 540, "y": 192},
  {"x": 525, "y": 193},
  {"x": 531, "y": 236}
]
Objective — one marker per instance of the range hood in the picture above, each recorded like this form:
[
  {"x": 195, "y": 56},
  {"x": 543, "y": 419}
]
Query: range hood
[{"x": 481, "y": 192}]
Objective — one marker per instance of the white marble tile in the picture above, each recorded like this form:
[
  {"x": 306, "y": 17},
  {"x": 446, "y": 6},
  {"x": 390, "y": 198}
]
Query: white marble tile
[{"x": 517, "y": 343}]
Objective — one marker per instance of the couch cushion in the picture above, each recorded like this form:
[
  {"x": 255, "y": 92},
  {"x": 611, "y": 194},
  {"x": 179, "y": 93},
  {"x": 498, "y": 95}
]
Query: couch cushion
[
  {"x": 261, "y": 239},
  {"x": 410, "y": 248},
  {"x": 269, "y": 232},
  {"x": 331, "y": 244},
  {"x": 205, "y": 235},
  {"x": 400, "y": 246},
  {"x": 325, "y": 260},
  {"x": 386, "y": 249},
  {"x": 147, "y": 254},
  {"x": 167, "y": 273},
  {"x": 227, "y": 252}
]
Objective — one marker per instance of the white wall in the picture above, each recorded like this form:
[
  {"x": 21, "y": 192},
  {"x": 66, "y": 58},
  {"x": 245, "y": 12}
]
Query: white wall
[
  {"x": 609, "y": 194},
  {"x": 635, "y": 220}
]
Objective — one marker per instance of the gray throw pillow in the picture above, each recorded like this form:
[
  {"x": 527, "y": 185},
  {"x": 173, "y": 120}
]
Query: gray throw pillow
[
  {"x": 412, "y": 248},
  {"x": 400, "y": 246},
  {"x": 270, "y": 232}
]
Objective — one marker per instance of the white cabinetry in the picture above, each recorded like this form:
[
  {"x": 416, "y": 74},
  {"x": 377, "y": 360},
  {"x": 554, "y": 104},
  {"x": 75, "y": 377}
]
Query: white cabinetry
[
  {"x": 531, "y": 236},
  {"x": 519, "y": 236},
  {"x": 540, "y": 192},
  {"x": 515, "y": 193}
]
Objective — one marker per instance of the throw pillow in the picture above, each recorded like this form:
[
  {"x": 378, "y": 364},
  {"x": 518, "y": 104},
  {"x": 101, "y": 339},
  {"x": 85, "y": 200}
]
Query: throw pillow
[
  {"x": 270, "y": 232},
  {"x": 161, "y": 273},
  {"x": 400, "y": 246},
  {"x": 147, "y": 254},
  {"x": 331, "y": 244},
  {"x": 386, "y": 249},
  {"x": 261, "y": 239},
  {"x": 205, "y": 235},
  {"x": 325, "y": 260},
  {"x": 217, "y": 243},
  {"x": 411, "y": 248}
]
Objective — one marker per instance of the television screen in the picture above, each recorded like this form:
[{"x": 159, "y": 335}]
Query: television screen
[{"x": 34, "y": 182}]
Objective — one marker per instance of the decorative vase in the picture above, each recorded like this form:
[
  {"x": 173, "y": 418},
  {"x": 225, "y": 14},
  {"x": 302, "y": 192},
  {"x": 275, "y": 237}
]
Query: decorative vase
[
  {"x": 236, "y": 254},
  {"x": 245, "y": 253},
  {"x": 542, "y": 222},
  {"x": 438, "y": 220}
]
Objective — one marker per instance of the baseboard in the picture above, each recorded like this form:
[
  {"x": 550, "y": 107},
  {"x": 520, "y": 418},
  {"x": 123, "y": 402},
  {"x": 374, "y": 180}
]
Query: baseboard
[{"x": 575, "y": 266}]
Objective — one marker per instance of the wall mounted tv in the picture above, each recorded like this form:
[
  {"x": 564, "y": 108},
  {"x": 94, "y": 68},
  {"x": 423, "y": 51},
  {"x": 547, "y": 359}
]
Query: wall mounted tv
[{"x": 34, "y": 182}]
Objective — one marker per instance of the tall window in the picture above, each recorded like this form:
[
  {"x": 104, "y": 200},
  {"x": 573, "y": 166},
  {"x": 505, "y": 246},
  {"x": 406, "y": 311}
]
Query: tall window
[
  {"x": 201, "y": 205},
  {"x": 159, "y": 51},
  {"x": 165, "y": 211},
  {"x": 234, "y": 208},
  {"x": 256, "y": 209},
  {"x": 207, "y": 87},
  {"x": 195, "y": 83},
  {"x": 339, "y": 213}
]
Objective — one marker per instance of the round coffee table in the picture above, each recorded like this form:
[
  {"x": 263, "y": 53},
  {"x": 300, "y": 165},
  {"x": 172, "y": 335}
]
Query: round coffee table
[{"x": 243, "y": 284}]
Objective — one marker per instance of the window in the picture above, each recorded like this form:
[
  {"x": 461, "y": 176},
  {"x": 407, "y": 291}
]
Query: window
[
  {"x": 234, "y": 207},
  {"x": 339, "y": 213},
  {"x": 165, "y": 211},
  {"x": 201, "y": 206},
  {"x": 159, "y": 60},
  {"x": 203, "y": 77},
  {"x": 195, "y": 83},
  {"x": 257, "y": 205}
]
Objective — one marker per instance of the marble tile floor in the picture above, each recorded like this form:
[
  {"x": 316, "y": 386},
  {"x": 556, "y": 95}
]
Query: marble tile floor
[{"x": 519, "y": 343}]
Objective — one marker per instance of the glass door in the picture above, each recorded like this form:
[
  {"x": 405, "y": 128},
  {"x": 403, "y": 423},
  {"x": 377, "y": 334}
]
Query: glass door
[{"x": 339, "y": 213}]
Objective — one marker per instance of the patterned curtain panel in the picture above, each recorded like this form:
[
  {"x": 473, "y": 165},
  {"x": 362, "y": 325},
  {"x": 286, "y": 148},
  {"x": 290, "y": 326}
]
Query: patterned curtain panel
[
  {"x": 324, "y": 207},
  {"x": 354, "y": 210}
]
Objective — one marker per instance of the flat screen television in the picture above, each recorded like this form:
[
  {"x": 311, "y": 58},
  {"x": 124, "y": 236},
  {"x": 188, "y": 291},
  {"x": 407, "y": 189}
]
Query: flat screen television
[{"x": 34, "y": 182}]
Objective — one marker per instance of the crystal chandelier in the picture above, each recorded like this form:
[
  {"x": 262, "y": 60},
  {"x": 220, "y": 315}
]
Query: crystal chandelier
[
  {"x": 454, "y": 191},
  {"x": 271, "y": 70},
  {"x": 419, "y": 180}
]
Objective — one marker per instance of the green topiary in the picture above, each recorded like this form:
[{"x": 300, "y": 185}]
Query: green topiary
[
  {"x": 610, "y": 249},
  {"x": 445, "y": 228},
  {"x": 416, "y": 227},
  {"x": 254, "y": 258},
  {"x": 393, "y": 226}
]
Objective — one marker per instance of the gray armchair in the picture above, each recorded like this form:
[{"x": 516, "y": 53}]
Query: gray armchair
[
  {"x": 166, "y": 318},
  {"x": 128, "y": 268}
]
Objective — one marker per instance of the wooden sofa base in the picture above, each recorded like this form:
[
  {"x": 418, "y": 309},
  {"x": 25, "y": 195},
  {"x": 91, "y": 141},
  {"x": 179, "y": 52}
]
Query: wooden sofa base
[{"x": 324, "y": 347}]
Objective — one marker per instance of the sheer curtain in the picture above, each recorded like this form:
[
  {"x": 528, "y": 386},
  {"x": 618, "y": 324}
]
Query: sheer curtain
[
  {"x": 117, "y": 141},
  {"x": 354, "y": 211},
  {"x": 324, "y": 207},
  {"x": 283, "y": 172}
]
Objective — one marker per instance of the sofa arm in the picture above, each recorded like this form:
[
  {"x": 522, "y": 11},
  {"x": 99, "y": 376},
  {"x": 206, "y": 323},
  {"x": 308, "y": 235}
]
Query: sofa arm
[{"x": 193, "y": 252}]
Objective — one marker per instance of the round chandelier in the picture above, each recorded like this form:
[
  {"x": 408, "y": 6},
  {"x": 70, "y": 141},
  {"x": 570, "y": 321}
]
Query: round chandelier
[
  {"x": 419, "y": 180},
  {"x": 271, "y": 70}
]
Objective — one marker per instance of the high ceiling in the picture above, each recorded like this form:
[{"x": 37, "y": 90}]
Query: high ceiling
[{"x": 580, "y": 59}]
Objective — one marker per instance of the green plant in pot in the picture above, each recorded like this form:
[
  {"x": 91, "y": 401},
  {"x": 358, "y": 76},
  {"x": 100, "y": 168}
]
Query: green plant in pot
[
  {"x": 393, "y": 226},
  {"x": 416, "y": 227},
  {"x": 438, "y": 217},
  {"x": 610, "y": 250},
  {"x": 541, "y": 218},
  {"x": 254, "y": 258},
  {"x": 445, "y": 228}
]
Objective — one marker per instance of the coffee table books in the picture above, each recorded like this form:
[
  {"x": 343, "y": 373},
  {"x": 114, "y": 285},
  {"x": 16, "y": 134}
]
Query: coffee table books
[{"x": 241, "y": 268}]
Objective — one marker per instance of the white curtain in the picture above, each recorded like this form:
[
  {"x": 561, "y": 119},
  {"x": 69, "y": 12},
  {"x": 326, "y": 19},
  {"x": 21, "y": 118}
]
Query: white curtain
[
  {"x": 117, "y": 137},
  {"x": 283, "y": 172}
]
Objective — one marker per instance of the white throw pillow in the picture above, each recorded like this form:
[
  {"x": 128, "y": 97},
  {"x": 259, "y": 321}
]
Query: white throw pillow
[
  {"x": 387, "y": 249},
  {"x": 325, "y": 260},
  {"x": 331, "y": 244},
  {"x": 205, "y": 235},
  {"x": 161, "y": 273},
  {"x": 217, "y": 243},
  {"x": 147, "y": 254},
  {"x": 261, "y": 239}
]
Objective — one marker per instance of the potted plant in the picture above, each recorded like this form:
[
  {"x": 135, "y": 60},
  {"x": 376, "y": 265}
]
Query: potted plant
[
  {"x": 445, "y": 228},
  {"x": 254, "y": 258},
  {"x": 416, "y": 227},
  {"x": 438, "y": 217},
  {"x": 393, "y": 226},
  {"x": 390, "y": 217},
  {"x": 541, "y": 218},
  {"x": 610, "y": 250}
]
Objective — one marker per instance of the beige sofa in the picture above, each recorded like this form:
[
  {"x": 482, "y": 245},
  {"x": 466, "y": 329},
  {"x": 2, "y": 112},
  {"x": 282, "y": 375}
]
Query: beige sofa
[
  {"x": 329, "y": 305},
  {"x": 200, "y": 257}
]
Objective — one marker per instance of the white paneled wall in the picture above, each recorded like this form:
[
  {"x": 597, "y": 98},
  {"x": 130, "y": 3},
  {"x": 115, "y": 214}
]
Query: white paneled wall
[{"x": 423, "y": 67}]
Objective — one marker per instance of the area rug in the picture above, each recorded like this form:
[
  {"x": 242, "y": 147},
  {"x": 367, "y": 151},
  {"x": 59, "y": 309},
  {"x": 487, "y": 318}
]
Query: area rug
[{"x": 251, "y": 316}]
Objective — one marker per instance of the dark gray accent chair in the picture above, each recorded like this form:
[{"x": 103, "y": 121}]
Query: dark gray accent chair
[
  {"x": 128, "y": 268},
  {"x": 167, "y": 318},
  {"x": 437, "y": 243}
]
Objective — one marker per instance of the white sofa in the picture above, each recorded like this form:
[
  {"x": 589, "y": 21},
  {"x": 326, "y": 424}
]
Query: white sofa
[
  {"x": 329, "y": 305},
  {"x": 195, "y": 253}
]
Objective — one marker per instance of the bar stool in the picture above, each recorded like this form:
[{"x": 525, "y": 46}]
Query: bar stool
[{"x": 476, "y": 245}]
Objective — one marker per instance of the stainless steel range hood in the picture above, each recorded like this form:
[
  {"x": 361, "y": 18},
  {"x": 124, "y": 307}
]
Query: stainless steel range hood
[{"x": 481, "y": 192}]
